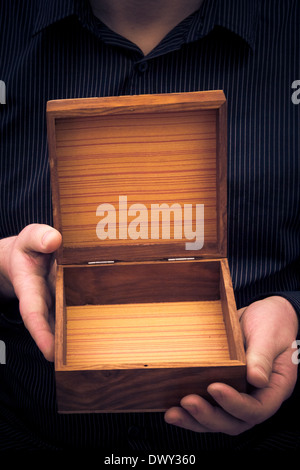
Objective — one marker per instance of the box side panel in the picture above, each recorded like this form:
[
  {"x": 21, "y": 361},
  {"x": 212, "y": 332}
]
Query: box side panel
[
  {"x": 122, "y": 283},
  {"x": 160, "y": 102},
  {"x": 55, "y": 190},
  {"x": 138, "y": 390},
  {"x": 60, "y": 319},
  {"x": 233, "y": 329},
  {"x": 221, "y": 134}
]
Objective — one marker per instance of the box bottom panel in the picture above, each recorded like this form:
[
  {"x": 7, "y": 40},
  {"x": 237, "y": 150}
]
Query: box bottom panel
[{"x": 145, "y": 335}]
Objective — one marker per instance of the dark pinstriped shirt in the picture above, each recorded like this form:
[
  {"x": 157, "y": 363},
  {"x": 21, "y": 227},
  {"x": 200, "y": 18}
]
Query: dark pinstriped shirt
[{"x": 251, "y": 49}]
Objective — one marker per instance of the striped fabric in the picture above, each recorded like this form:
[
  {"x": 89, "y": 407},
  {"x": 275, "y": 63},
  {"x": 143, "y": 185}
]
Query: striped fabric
[{"x": 251, "y": 49}]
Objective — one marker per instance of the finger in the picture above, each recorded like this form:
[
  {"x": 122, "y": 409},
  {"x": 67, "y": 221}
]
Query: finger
[
  {"x": 198, "y": 415},
  {"x": 211, "y": 417},
  {"x": 251, "y": 409},
  {"x": 180, "y": 417},
  {"x": 262, "y": 403}
]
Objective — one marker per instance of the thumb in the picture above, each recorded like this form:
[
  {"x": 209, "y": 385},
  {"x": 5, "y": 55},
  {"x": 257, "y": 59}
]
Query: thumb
[
  {"x": 31, "y": 261},
  {"x": 259, "y": 365},
  {"x": 269, "y": 327},
  {"x": 39, "y": 238},
  {"x": 261, "y": 349}
]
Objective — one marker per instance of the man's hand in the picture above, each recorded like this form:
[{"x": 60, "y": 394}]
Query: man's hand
[
  {"x": 27, "y": 270},
  {"x": 269, "y": 326}
]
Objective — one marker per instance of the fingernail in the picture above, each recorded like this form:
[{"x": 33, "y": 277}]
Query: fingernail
[
  {"x": 214, "y": 392},
  {"x": 262, "y": 375},
  {"x": 172, "y": 420}
]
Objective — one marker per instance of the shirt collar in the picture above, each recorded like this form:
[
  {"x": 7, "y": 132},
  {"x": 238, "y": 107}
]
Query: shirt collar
[
  {"x": 49, "y": 12},
  {"x": 238, "y": 16},
  {"x": 241, "y": 17}
]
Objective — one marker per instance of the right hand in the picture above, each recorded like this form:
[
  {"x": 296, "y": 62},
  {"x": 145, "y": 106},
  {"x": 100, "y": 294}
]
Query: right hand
[{"x": 27, "y": 271}]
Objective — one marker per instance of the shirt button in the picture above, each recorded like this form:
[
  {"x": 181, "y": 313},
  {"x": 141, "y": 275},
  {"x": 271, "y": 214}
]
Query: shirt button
[
  {"x": 134, "y": 432},
  {"x": 142, "y": 66}
]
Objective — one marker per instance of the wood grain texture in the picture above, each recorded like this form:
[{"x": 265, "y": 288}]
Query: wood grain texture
[
  {"x": 147, "y": 160},
  {"x": 231, "y": 319},
  {"x": 140, "y": 282},
  {"x": 169, "y": 334},
  {"x": 211, "y": 99},
  {"x": 60, "y": 319},
  {"x": 140, "y": 390}
]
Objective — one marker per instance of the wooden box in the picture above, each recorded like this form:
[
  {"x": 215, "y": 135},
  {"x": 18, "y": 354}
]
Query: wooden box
[{"x": 145, "y": 310}]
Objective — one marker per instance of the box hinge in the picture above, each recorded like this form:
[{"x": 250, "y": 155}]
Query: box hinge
[
  {"x": 101, "y": 262},
  {"x": 191, "y": 258}
]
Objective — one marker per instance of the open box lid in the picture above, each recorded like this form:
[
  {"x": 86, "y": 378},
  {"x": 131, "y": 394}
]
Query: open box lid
[{"x": 139, "y": 177}]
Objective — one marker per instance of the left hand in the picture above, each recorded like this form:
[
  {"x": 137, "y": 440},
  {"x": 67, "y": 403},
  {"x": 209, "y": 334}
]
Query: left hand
[
  {"x": 27, "y": 271},
  {"x": 269, "y": 327}
]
